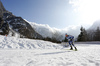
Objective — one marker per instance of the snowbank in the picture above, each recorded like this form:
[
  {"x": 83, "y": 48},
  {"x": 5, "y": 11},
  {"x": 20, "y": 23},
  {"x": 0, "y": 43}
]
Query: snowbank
[{"x": 19, "y": 43}]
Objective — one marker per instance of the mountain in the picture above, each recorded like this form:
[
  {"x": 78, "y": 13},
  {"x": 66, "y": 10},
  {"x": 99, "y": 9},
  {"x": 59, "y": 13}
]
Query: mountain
[
  {"x": 4, "y": 27},
  {"x": 20, "y": 26},
  {"x": 95, "y": 25},
  {"x": 48, "y": 32},
  {"x": 12, "y": 24},
  {"x": 2, "y": 9},
  {"x": 93, "y": 33}
]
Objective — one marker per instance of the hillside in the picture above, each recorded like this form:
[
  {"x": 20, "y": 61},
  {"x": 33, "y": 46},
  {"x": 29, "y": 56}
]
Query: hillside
[
  {"x": 95, "y": 25},
  {"x": 12, "y": 24},
  {"x": 46, "y": 31}
]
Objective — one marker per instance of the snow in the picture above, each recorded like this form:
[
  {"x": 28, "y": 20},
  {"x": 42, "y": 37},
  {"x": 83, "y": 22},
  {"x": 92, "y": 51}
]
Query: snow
[
  {"x": 26, "y": 52},
  {"x": 18, "y": 43}
]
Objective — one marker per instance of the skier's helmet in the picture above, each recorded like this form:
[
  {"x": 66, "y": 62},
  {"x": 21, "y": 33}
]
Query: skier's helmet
[{"x": 66, "y": 34}]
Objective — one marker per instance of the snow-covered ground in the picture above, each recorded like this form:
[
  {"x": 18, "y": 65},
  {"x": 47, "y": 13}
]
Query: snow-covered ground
[{"x": 26, "y": 52}]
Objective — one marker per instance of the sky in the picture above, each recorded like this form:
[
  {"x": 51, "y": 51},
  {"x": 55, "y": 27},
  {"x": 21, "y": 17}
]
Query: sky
[{"x": 56, "y": 13}]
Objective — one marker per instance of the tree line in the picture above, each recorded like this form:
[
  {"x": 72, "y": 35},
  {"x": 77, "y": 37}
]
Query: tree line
[{"x": 89, "y": 35}]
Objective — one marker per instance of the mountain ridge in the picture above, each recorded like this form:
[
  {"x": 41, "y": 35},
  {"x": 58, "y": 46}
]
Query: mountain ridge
[
  {"x": 13, "y": 24},
  {"x": 95, "y": 25}
]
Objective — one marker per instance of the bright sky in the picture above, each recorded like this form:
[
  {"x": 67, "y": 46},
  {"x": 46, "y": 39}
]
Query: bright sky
[{"x": 56, "y": 13}]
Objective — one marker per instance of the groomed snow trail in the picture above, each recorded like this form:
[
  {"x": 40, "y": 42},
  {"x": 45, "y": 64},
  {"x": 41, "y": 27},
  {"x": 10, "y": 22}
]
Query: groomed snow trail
[{"x": 49, "y": 54}]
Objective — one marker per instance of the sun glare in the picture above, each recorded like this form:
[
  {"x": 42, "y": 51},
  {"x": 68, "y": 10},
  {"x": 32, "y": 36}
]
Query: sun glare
[{"x": 89, "y": 10}]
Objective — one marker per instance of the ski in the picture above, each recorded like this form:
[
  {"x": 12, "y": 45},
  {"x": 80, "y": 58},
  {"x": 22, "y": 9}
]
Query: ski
[{"x": 71, "y": 50}]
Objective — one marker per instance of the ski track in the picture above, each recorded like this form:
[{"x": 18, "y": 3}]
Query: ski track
[{"x": 25, "y": 52}]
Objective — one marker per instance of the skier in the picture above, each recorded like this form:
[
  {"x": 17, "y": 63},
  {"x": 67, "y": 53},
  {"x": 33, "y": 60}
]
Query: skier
[{"x": 70, "y": 41}]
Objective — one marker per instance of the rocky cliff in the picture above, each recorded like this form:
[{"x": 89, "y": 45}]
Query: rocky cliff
[
  {"x": 14, "y": 24},
  {"x": 4, "y": 27}
]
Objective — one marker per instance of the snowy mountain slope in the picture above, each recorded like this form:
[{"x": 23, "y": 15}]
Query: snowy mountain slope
[
  {"x": 59, "y": 34},
  {"x": 95, "y": 25},
  {"x": 46, "y": 31},
  {"x": 12, "y": 24},
  {"x": 25, "y": 52},
  {"x": 17, "y": 25}
]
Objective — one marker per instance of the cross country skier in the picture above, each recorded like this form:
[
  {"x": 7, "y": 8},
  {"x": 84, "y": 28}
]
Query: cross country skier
[{"x": 70, "y": 41}]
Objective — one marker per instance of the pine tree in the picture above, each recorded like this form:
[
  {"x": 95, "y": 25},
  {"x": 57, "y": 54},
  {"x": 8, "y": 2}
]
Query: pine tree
[
  {"x": 65, "y": 40},
  {"x": 97, "y": 34},
  {"x": 90, "y": 35},
  {"x": 83, "y": 35}
]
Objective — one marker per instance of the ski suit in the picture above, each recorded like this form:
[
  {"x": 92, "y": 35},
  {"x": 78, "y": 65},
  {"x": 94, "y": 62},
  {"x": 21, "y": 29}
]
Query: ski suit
[{"x": 70, "y": 40}]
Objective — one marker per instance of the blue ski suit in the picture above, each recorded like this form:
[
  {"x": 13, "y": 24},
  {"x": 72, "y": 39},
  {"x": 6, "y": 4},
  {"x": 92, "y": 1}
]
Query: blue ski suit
[{"x": 70, "y": 40}]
